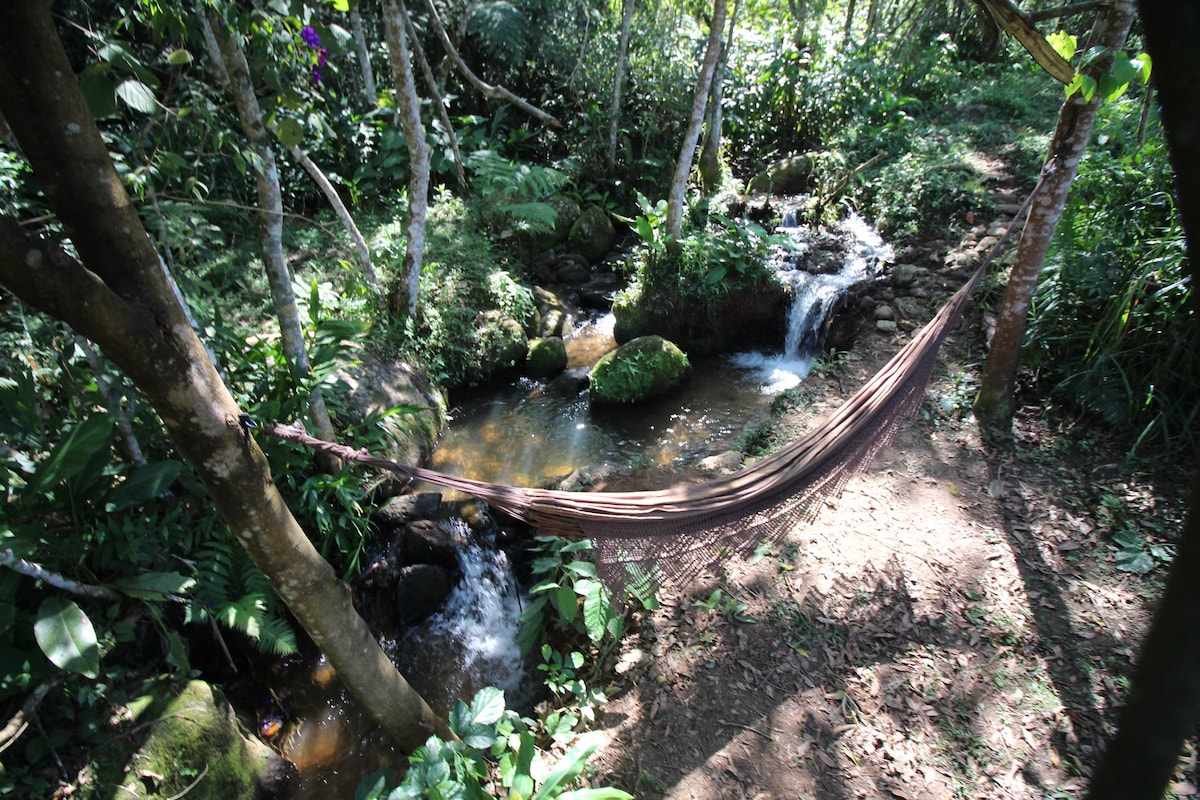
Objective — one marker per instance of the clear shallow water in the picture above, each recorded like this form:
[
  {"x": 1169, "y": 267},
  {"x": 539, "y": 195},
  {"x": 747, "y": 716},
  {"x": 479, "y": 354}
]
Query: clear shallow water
[{"x": 529, "y": 434}]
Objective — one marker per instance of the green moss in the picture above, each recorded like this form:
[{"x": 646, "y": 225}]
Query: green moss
[
  {"x": 638, "y": 370},
  {"x": 546, "y": 357}
]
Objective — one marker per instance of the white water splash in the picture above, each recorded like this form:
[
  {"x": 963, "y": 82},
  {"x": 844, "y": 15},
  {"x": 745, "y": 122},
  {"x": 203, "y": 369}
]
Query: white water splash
[{"x": 814, "y": 298}]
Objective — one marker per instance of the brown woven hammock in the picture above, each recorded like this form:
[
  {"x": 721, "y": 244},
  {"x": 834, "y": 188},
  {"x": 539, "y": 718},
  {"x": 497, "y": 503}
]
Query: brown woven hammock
[{"x": 644, "y": 540}]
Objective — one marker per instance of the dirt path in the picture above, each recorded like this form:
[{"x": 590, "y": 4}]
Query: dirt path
[{"x": 952, "y": 626}]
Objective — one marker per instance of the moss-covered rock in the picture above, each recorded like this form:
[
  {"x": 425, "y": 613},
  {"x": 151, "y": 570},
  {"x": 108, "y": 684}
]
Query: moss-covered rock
[
  {"x": 643, "y": 368},
  {"x": 789, "y": 175},
  {"x": 377, "y": 385},
  {"x": 592, "y": 234},
  {"x": 193, "y": 746},
  {"x": 546, "y": 357},
  {"x": 502, "y": 342}
]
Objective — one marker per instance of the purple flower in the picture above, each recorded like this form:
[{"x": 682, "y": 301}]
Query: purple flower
[
  {"x": 316, "y": 74},
  {"x": 322, "y": 56},
  {"x": 310, "y": 36}
]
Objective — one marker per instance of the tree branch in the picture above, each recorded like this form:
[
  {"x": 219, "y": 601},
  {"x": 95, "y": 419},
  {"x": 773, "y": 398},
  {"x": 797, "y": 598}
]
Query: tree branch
[
  {"x": 1013, "y": 20},
  {"x": 488, "y": 90},
  {"x": 20, "y": 565}
]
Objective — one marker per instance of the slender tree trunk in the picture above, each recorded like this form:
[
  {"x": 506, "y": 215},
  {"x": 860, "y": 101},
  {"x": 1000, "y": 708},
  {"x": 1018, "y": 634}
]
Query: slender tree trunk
[
  {"x": 343, "y": 214},
  {"x": 402, "y": 297},
  {"x": 364, "y": 56},
  {"x": 709, "y": 165},
  {"x": 435, "y": 92},
  {"x": 270, "y": 215},
  {"x": 614, "y": 118},
  {"x": 1163, "y": 706},
  {"x": 687, "y": 151},
  {"x": 122, "y": 302},
  {"x": 849, "y": 29},
  {"x": 995, "y": 404}
]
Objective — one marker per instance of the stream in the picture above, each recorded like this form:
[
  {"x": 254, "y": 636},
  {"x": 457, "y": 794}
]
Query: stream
[{"x": 529, "y": 433}]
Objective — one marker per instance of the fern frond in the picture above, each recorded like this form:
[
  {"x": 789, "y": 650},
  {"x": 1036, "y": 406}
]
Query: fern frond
[
  {"x": 532, "y": 217},
  {"x": 502, "y": 31}
]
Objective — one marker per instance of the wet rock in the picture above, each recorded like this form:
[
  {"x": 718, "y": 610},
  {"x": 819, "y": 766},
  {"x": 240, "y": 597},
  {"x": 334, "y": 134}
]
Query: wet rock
[
  {"x": 572, "y": 270},
  {"x": 546, "y": 357},
  {"x": 904, "y": 275},
  {"x": 476, "y": 515},
  {"x": 592, "y": 234},
  {"x": 420, "y": 591},
  {"x": 586, "y": 477},
  {"x": 555, "y": 312},
  {"x": 502, "y": 342},
  {"x": 426, "y": 542},
  {"x": 399, "y": 511},
  {"x": 789, "y": 175},
  {"x": 571, "y": 382}
]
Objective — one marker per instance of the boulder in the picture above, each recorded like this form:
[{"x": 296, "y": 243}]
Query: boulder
[
  {"x": 791, "y": 175},
  {"x": 546, "y": 357},
  {"x": 420, "y": 591},
  {"x": 638, "y": 370},
  {"x": 426, "y": 542},
  {"x": 399, "y": 511},
  {"x": 555, "y": 312},
  {"x": 592, "y": 235},
  {"x": 570, "y": 382},
  {"x": 377, "y": 385},
  {"x": 502, "y": 342},
  {"x": 193, "y": 745}
]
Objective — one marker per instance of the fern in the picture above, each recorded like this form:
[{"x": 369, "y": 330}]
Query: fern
[
  {"x": 501, "y": 30},
  {"x": 513, "y": 181},
  {"x": 231, "y": 590}
]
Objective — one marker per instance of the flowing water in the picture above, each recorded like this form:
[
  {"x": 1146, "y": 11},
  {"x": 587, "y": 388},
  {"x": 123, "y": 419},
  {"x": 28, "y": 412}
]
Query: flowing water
[{"x": 532, "y": 433}]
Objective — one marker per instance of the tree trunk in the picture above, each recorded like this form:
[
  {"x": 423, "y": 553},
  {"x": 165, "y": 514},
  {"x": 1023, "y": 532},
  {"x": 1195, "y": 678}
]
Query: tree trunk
[
  {"x": 343, "y": 214},
  {"x": 614, "y": 119},
  {"x": 709, "y": 165},
  {"x": 687, "y": 152},
  {"x": 995, "y": 404},
  {"x": 270, "y": 215},
  {"x": 364, "y": 57},
  {"x": 122, "y": 302},
  {"x": 1163, "y": 705},
  {"x": 402, "y": 298}
]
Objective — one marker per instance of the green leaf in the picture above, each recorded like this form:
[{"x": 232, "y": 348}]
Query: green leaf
[
  {"x": 73, "y": 453},
  {"x": 99, "y": 92},
  {"x": 1063, "y": 43},
  {"x": 645, "y": 230},
  {"x": 67, "y": 637},
  {"x": 569, "y": 766},
  {"x": 145, "y": 483},
  {"x": 599, "y": 793},
  {"x": 596, "y": 612},
  {"x": 568, "y": 608},
  {"x": 584, "y": 569},
  {"x": 715, "y": 275},
  {"x": 155, "y": 585},
  {"x": 341, "y": 5},
  {"x": 179, "y": 57},
  {"x": 137, "y": 96},
  {"x": 1138, "y": 562},
  {"x": 289, "y": 132},
  {"x": 487, "y": 707},
  {"x": 522, "y": 781}
]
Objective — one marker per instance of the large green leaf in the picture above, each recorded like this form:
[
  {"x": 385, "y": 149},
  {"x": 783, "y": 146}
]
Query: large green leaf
[
  {"x": 73, "y": 454},
  {"x": 144, "y": 483},
  {"x": 155, "y": 585},
  {"x": 569, "y": 767},
  {"x": 67, "y": 637},
  {"x": 137, "y": 96}
]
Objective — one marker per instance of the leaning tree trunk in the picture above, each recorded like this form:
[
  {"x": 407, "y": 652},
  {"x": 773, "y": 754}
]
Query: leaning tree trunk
[
  {"x": 691, "y": 135},
  {"x": 995, "y": 403},
  {"x": 270, "y": 215},
  {"x": 402, "y": 298},
  {"x": 614, "y": 115},
  {"x": 709, "y": 165},
  {"x": 122, "y": 302},
  {"x": 1163, "y": 705}
]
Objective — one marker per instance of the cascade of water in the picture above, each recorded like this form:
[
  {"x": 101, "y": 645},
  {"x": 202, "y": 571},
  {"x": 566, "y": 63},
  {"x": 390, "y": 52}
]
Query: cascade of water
[
  {"x": 472, "y": 642},
  {"x": 815, "y": 296}
]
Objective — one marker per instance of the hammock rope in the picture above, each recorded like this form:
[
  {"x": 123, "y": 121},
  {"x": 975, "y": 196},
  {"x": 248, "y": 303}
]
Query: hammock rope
[{"x": 644, "y": 540}]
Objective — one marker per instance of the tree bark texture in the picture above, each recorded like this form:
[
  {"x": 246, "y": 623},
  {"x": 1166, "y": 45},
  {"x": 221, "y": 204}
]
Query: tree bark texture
[
  {"x": 1163, "y": 706},
  {"x": 691, "y": 135},
  {"x": 270, "y": 215},
  {"x": 614, "y": 116},
  {"x": 403, "y": 294},
  {"x": 709, "y": 165},
  {"x": 122, "y": 302},
  {"x": 995, "y": 403}
]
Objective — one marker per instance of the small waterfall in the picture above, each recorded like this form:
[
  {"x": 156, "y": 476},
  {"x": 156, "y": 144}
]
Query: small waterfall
[
  {"x": 472, "y": 642},
  {"x": 816, "y": 288}
]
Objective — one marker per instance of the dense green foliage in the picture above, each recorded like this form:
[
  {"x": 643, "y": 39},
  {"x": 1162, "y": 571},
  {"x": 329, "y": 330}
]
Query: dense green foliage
[{"x": 1111, "y": 331}]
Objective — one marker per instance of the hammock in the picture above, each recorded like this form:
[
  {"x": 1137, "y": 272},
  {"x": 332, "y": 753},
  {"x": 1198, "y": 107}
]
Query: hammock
[{"x": 642, "y": 541}]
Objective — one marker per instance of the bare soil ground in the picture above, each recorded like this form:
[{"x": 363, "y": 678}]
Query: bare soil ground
[{"x": 954, "y": 625}]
